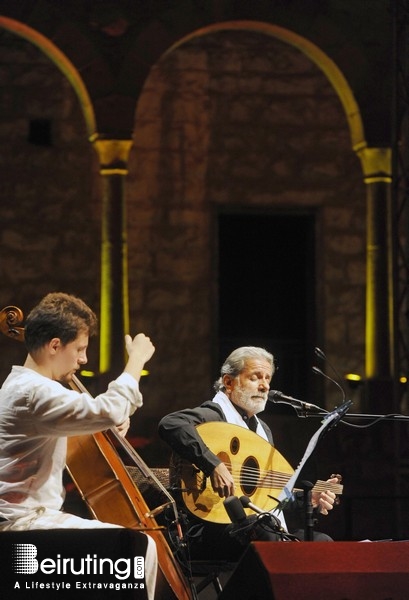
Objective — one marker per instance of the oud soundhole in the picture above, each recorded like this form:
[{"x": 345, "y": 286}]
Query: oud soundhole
[
  {"x": 234, "y": 445},
  {"x": 249, "y": 475}
]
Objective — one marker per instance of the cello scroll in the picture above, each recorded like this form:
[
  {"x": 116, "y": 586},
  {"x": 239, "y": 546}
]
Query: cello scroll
[{"x": 10, "y": 319}]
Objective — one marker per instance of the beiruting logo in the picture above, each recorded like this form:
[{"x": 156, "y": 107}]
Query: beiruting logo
[{"x": 26, "y": 562}]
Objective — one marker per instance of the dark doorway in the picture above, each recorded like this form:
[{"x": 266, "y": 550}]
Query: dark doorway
[{"x": 267, "y": 291}]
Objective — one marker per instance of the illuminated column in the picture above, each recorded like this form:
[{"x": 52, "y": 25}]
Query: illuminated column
[
  {"x": 114, "y": 312},
  {"x": 380, "y": 293}
]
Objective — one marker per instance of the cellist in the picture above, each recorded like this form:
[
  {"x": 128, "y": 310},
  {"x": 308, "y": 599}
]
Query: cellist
[{"x": 37, "y": 413}]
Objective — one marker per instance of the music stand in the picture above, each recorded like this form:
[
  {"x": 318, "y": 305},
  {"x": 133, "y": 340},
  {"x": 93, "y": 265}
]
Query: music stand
[{"x": 329, "y": 421}]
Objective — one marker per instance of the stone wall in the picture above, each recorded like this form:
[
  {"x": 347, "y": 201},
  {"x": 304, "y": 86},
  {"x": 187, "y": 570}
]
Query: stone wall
[
  {"x": 237, "y": 120},
  {"x": 50, "y": 205}
]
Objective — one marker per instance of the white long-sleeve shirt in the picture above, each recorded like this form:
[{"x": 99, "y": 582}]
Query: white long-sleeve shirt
[{"x": 37, "y": 415}]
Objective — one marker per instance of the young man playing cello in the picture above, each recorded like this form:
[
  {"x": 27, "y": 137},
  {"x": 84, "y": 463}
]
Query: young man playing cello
[{"x": 38, "y": 413}]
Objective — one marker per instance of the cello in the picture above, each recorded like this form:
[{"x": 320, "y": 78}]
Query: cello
[{"x": 108, "y": 489}]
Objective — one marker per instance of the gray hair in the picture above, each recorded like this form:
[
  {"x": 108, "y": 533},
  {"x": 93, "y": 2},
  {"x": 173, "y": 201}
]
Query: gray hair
[{"x": 234, "y": 363}]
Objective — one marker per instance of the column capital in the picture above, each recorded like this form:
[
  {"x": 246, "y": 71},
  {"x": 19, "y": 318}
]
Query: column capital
[
  {"x": 113, "y": 155},
  {"x": 376, "y": 164}
]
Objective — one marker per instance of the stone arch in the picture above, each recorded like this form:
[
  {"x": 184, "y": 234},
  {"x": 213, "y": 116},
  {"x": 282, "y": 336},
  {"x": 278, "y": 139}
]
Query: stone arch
[
  {"x": 312, "y": 51},
  {"x": 315, "y": 54},
  {"x": 178, "y": 179},
  {"x": 376, "y": 165},
  {"x": 62, "y": 63}
]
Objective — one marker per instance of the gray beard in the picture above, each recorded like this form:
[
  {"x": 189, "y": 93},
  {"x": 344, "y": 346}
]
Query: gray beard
[{"x": 251, "y": 405}]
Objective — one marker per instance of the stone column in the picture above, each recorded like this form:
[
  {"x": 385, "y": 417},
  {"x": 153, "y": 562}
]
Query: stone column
[
  {"x": 380, "y": 288},
  {"x": 114, "y": 311}
]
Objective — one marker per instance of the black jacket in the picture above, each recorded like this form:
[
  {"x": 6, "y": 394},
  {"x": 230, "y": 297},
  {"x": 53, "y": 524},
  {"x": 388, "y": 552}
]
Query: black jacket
[{"x": 178, "y": 429}]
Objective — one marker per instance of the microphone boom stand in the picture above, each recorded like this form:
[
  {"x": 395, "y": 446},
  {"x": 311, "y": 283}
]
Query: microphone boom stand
[{"x": 301, "y": 412}]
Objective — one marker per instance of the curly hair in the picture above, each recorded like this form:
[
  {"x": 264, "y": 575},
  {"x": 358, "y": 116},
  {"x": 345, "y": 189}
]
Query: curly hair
[{"x": 58, "y": 315}]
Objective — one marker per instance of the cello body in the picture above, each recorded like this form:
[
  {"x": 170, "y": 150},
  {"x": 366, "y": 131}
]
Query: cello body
[{"x": 111, "y": 496}]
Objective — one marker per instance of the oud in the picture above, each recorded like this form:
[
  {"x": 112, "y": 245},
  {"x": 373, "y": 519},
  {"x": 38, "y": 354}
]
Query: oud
[{"x": 259, "y": 472}]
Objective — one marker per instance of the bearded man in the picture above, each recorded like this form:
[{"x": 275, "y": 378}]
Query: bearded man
[{"x": 241, "y": 394}]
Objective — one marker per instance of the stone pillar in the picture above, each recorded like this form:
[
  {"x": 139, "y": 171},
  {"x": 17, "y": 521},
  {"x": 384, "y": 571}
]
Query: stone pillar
[
  {"x": 114, "y": 311},
  {"x": 380, "y": 288}
]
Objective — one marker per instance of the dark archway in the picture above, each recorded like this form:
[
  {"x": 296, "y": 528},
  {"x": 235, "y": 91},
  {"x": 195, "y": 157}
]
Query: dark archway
[{"x": 267, "y": 290}]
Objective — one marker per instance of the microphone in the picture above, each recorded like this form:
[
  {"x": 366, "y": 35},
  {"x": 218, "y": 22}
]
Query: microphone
[
  {"x": 278, "y": 397},
  {"x": 318, "y": 371},
  {"x": 320, "y": 353},
  {"x": 322, "y": 356},
  {"x": 157, "y": 510},
  {"x": 234, "y": 509},
  {"x": 246, "y": 502}
]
